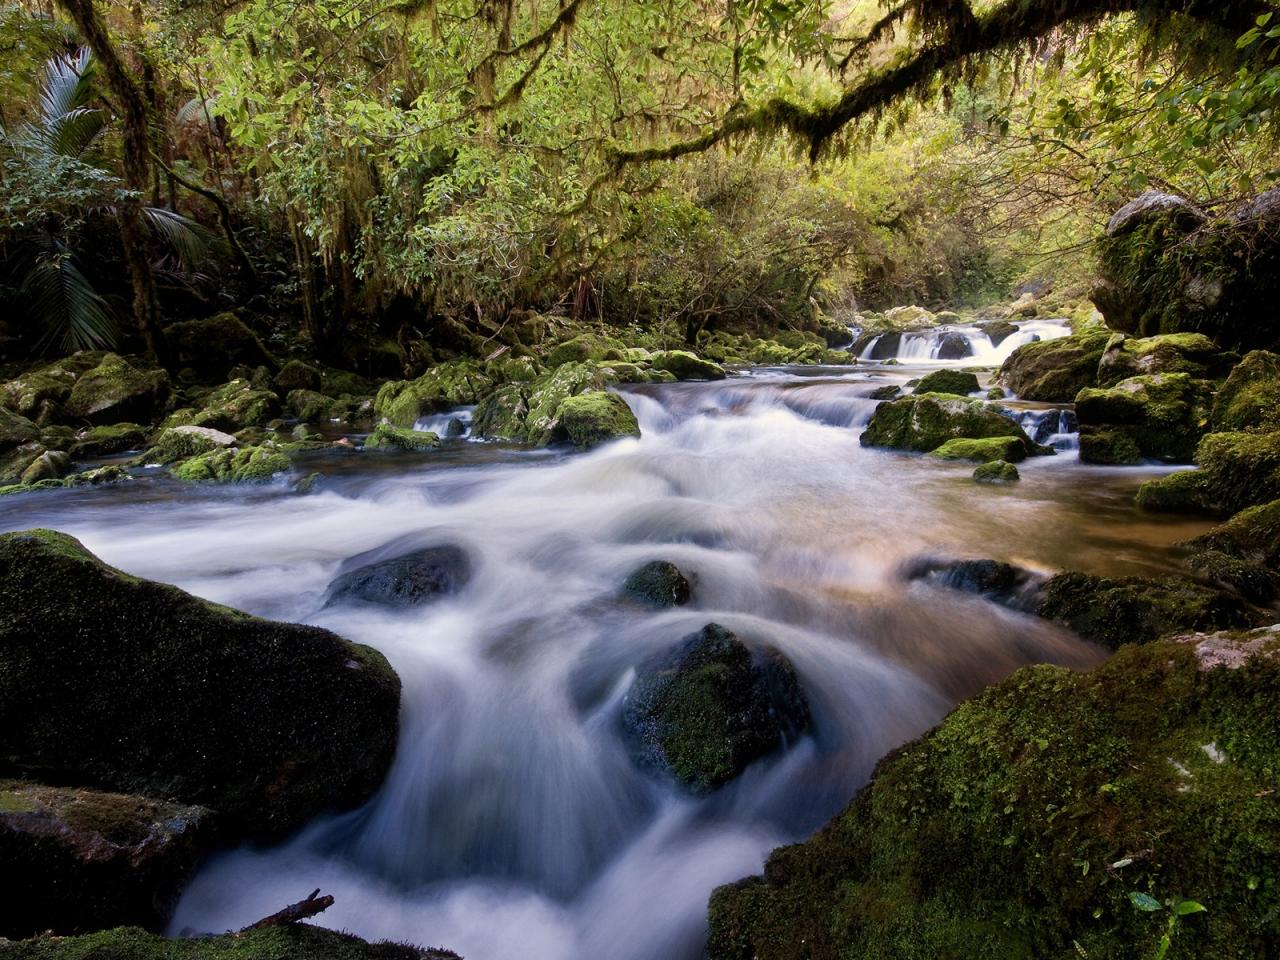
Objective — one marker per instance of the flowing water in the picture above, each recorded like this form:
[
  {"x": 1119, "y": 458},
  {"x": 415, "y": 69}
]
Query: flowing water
[
  {"x": 960, "y": 344},
  {"x": 513, "y": 824}
]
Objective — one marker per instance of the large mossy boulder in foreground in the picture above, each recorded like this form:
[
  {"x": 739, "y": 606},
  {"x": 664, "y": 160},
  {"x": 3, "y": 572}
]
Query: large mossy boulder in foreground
[
  {"x": 110, "y": 681},
  {"x": 298, "y": 941},
  {"x": 1154, "y": 416},
  {"x": 1055, "y": 370},
  {"x": 926, "y": 421},
  {"x": 705, "y": 710},
  {"x": 595, "y": 417},
  {"x": 116, "y": 391},
  {"x": 1029, "y": 822},
  {"x": 79, "y": 860}
]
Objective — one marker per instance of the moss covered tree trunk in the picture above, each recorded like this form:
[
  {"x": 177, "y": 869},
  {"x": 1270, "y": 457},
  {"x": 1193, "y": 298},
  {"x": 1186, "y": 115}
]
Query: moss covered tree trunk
[{"x": 137, "y": 166}]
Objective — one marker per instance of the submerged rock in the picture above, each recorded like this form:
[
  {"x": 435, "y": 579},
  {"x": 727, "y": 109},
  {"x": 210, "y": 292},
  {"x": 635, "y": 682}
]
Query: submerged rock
[
  {"x": 1155, "y": 773},
  {"x": 948, "y": 381},
  {"x": 129, "y": 685},
  {"x": 89, "y": 859},
  {"x": 926, "y": 421},
  {"x": 657, "y": 584},
  {"x": 595, "y": 417},
  {"x": 407, "y": 580},
  {"x": 705, "y": 710},
  {"x": 994, "y": 579},
  {"x": 985, "y": 450},
  {"x": 1055, "y": 370}
]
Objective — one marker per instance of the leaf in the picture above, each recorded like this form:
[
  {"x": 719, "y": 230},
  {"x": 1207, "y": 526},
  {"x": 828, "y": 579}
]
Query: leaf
[
  {"x": 1144, "y": 902},
  {"x": 1187, "y": 907}
]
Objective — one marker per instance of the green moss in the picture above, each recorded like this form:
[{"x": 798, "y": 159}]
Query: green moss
[
  {"x": 1019, "y": 826},
  {"x": 1251, "y": 580},
  {"x": 1190, "y": 353},
  {"x": 584, "y": 347},
  {"x": 236, "y": 405},
  {"x": 1250, "y": 398},
  {"x": 1240, "y": 469},
  {"x": 402, "y": 403},
  {"x": 294, "y": 942},
  {"x": 926, "y": 421},
  {"x": 1181, "y": 492},
  {"x": 948, "y": 381},
  {"x": 1164, "y": 415},
  {"x": 595, "y": 417},
  {"x": 1110, "y": 447},
  {"x": 308, "y": 405},
  {"x": 1252, "y": 534},
  {"x": 687, "y": 366},
  {"x": 181, "y": 443},
  {"x": 233, "y": 465},
  {"x": 102, "y": 441},
  {"x": 657, "y": 584},
  {"x": 98, "y": 669},
  {"x": 1055, "y": 370},
  {"x": 296, "y": 375},
  {"x": 116, "y": 391},
  {"x": 388, "y": 438},
  {"x": 1134, "y": 610},
  {"x": 985, "y": 450},
  {"x": 996, "y": 472}
]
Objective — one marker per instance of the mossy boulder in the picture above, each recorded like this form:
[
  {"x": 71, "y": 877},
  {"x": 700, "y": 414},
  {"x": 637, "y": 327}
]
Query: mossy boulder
[
  {"x": 90, "y": 859},
  {"x": 213, "y": 345},
  {"x": 526, "y": 411},
  {"x": 997, "y": 473},
  {"x": 236, "y": 405},
  {"x": 687, "y": 366},
  {"x": 705, "y": 710},
  {"x": 658, "y": 584},
  {"x": 948, "y": 381},
  {"x": 584, "y": 347},
  {"x": 1250, "y": 397},
  {"x": 1181, "y": 492},
  {"x": 119, "y": 683},
  {"x": 1022, "y": 826},
  {"x": 1252, "y": 534},
  {"x": 40, "y": 393},
  {"x": 1239, "y": 470},
  {"x": 1055, "y": 370},
  {"x": 296, "y": 941},
  {"x": 296, "y": 375},
  {"x": 251, "y": 464},
  {"x": 589, "y": 419},
  {"x": 308, "y": 405},
  {"x": 406, "y": 579},
  {"x": 402, "y": 403},
  {"x": 50, "y": 465},
  {"x": 909, "y": 318},
  {"x": 181, "y": 443},
  {"x": 1253, "y": 581},
  {"x": 986, "y": 450},
  {"x": 116, "y": 391},
  {"x": 888, "y": 392},
  {"x": 1136, "y": 610},
  {"x": 388, "y": 439},
  {"x": 1164, "y": 414},
  {"x": 998, "y": 331},
  {"x": 104, "y": 441},
  {"x": 1190, "y": 353},
  {"x": 926, "y": 421},
  {"x": 16, "y": 430}
]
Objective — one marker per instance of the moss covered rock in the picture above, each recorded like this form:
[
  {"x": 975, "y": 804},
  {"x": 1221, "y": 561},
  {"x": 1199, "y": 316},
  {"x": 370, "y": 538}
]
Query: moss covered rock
[
  {"x": 1163, "y": 414},
  {"x": 1190, "y": 353},
  {"x": 15, "y": 430},
  {"x": 402, "y": 403},
  {"x": 687, "y": 366},
  {"x": 1055, "y": 370},
  {"x": 1250, "y": 398},
  {"x": 299, "y": 941},
  {"x": 528, "y": 411},
  {"x": 926, "y": 421},
  {"x": 1136, "y": 610},
  {"x": 584, "y": 347},
  {"x": 705, "y": 710},
  {"x": 116, "y": 391},
  {"x": 181, "y": 443},
  {"x": 1240, "y": 470},
  {"x": 234, "y": 465},
  {"x": 50, "y": 465},
  {"x": 213, "y": 345},
  {"x": 40, "y": 393},
  {"x": 296, "y": 375},
  {"x": 1181, "y": 492},
  {"x": 657, "y": 584},
  {"x": 90, "y": 859},
  {"x": 386, "y": 438},
  {"x": 134, "y": 686},
  {"x": 1253, "y": 581},
  {"x": 1252, "y": 534},
  {"x": 589, "y": 419},
  {"x": 407, "y": 579},
  {"x": 308, "y": 405},
  {"x": 1011, "y": 449},
  {"x": 948, "y": 381},
  {"x": 1022, "y": 826},
  {"x": 104, "y": 441},
  {"x": 236, "y": 405},
  {"x": 997, "y": 472}
]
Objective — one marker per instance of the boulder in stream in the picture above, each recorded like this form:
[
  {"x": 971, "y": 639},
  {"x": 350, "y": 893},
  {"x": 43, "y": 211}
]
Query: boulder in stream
[
  {"x": 687, "y": 366},
  {"x": 996, "y": 473},
  {"x": 388, "y": 439},
  {"x": 959, "y": 382},
  {"x": 705, "y": 710},
  {"x": 401, "y": 580},
  {"x": 123, "y": 684},
  {"x": 926, "y": 421},
  {"x": 1250, "y": 397},
  {"x": 116, "y": 391},
  {"x": 595, "y": 417},
  {"x": 657, "y": 584},
  {"x": 1054, "y": 371},
  {"x": 1158, "y": 416}
]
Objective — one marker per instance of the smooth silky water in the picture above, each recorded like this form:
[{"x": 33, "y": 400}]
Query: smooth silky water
[{"x": 513, "y": 824}]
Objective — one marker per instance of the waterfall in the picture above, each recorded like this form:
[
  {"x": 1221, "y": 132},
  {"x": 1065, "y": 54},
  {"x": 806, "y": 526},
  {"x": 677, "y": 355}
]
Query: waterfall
[{"x": 959, "y": 345}]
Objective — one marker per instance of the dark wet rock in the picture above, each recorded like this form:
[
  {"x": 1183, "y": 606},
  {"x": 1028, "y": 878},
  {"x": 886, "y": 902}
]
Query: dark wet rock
[
  {"x": 994, "y": 579},
  {"x": 407, "y": 580},
  {"x": 889, "y": 392},
  {"x": 119, "y": 683},
  {"x": 1155, "y": 769},
  {"x": 998, "y": 331},
  {"x": 997, "y": 473},
  {"x": 213, "y": 345},
  {"x": 116, "y": 391},
  {"x": 1055, "y": 370},
  {"x": 90, "y": 859},
  {"x": 1135, "y": 610},
  {"x": 926, "y": 421},
  {"x": 948, "y": 381},
  {"x": 658, "y": 584},
  {"x": 455, "y": 428},
  {"x": 296, "y": 941},
  {"x": 953, "y": 346},
  {"x": 705, "y": 710}
]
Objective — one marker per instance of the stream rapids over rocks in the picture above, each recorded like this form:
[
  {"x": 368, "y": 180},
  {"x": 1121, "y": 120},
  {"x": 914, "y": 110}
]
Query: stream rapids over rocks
[{"x": 514, "y": 824}]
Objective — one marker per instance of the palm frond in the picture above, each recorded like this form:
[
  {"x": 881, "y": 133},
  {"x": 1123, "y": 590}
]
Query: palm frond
[
  {"x": 189, "y": 240},
  {"x": 63, "y": 301},
  {"x": 68, "y": 85},
  {"x": 71, "y": 134}
]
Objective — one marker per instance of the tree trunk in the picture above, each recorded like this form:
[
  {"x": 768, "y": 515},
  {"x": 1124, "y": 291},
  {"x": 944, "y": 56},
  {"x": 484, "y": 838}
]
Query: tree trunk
[{"x": 137, "y": 168}]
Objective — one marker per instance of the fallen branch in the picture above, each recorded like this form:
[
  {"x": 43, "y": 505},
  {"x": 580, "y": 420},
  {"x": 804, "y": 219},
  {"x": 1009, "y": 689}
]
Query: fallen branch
[{"x": 295, "y": 912}]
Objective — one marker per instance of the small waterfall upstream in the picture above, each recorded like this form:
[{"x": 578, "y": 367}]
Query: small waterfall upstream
[
  {"x": 514, "y": 825},
  {"x": 959, "y": 345}
]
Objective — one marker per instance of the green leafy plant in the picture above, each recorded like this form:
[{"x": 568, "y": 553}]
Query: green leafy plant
[{"x": 1177, "y": 909}]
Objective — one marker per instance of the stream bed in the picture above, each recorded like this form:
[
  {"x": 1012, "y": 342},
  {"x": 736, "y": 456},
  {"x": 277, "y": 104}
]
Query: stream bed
[{"x": 513, "y": 823}]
